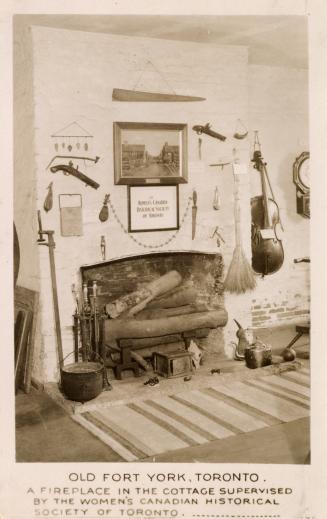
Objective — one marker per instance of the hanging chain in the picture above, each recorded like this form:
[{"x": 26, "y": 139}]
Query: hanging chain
[{"x": 149, "y": 246}]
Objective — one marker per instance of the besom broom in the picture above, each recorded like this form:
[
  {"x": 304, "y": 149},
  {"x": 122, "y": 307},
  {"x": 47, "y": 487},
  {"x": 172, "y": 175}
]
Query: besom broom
[{"x": 240, "y": 277}]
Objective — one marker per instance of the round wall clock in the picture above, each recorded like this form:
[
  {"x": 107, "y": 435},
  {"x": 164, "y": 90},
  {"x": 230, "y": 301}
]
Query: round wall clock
[
  {"x": 301, "y": 172},
  {"x": 301, "y": 178}
]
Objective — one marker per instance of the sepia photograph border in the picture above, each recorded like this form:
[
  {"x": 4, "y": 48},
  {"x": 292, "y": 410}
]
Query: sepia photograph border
[{"x": 308, "y": 482}]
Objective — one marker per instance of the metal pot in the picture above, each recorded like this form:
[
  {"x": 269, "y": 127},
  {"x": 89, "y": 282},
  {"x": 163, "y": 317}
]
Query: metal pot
[
  {"x": 82, "y": 381},
  {"x": 258, "y": 355}
]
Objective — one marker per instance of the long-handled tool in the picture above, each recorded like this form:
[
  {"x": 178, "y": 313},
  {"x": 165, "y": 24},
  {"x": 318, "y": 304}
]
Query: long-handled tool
[
  {"x": 51, "y": 245},
  {"x": 86, "y": 324},
  {"x": 95, "y": 312},
  {"x": 76, "y": 318}
]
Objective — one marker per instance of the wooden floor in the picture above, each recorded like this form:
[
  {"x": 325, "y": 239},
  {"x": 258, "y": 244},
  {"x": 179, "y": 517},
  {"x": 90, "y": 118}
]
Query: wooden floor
[
  {"x": 46, "y": 433},
  {"x": 284, "y": 444}
]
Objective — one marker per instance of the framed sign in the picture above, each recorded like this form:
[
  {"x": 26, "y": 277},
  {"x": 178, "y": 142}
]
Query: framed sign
[
  {"x": 153, "y": 208},
  {"x": 150, "y": 153}
]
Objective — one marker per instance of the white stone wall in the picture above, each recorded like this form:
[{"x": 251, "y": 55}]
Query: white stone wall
[
  {"x": 74, "y": 74},
  {"x": 24, "y": 158},
  {"x": 24, "y": 173},
  {"x": 278, "y": 108}
]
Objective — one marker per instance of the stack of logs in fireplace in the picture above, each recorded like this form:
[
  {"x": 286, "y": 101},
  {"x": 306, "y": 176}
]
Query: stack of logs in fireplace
[
  {"x": 162, "y": 312},
  {"x": 157, "y": 314}
]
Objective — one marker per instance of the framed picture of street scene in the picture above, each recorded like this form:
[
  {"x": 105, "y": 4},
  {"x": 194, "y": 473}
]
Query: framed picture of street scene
[
  {"x": 154, "y": 153},
  {"x": 153, "y": 208}
]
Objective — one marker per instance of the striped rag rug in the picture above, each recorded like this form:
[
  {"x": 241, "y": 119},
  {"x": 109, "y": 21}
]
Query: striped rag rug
[{"x": 166, "y": 423}]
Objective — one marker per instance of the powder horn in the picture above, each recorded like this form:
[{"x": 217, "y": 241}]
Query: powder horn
[
  {"x": 104, "y": 213},
  {"x": 48, "y": 202}
]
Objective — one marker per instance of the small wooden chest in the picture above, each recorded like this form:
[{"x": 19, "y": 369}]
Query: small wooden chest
[{"x": 173, "y": 364}]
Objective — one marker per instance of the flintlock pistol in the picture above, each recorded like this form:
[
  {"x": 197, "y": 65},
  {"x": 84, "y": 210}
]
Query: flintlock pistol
[
  {"x": 208, "y": 131},
  {"x": 68, "y": 169}
]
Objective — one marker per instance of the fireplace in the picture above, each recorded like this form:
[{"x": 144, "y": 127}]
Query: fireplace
[
  {"x": 200, "y": 270},
  {"x": 122, "y": 275}
]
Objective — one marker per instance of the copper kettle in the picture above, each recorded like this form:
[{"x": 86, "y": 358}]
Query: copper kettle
[
  {"x": 258, "y": 355},
  {"x": 245, "y": 339}
]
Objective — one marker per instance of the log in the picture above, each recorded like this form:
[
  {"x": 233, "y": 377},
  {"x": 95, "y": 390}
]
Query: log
[
  {"x": 146, "y": 293},
  {"x": 132, "y": 328},
  {"x": 140, "y": 360},
  {"x": 147, "y": 353},
  {"x": 136, "y": 309},
  {"x": 148, "y": 342},
  {"x": 175, "y": 290},
  {"x": 198, "y": 334},
  {"x": 155, "y": 313},
  {"x": 163, "y": 340},
  {"x": 182, "y": 296}
]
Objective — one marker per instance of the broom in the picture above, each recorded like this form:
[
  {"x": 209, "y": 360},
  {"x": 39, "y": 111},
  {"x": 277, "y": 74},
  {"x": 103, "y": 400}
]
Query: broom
[{"x": 240, "y": 275}]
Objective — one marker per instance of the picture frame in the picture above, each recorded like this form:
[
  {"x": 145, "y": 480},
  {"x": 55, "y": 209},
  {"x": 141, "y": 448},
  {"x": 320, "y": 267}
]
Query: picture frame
[
  {"x": 150, "y": 153},
  {"x": 153, "y": 208}
]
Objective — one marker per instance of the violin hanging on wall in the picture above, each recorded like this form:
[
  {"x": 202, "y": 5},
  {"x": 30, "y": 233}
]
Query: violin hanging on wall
[{"x": 267, "y": 248}]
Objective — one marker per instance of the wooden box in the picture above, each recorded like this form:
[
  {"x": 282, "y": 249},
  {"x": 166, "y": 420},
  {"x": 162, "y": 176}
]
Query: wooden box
[{"x": 173, "y": 364}]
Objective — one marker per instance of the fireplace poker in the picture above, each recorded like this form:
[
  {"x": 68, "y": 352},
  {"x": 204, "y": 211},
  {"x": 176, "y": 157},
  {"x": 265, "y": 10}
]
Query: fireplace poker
[
  {"x": 51, "y": 245},
  {"x": 76, "y": 318},
  {"x": 95, "y": 317},
  {"x": 84, "y": 317},
  {"x": 83, "y": 336}
]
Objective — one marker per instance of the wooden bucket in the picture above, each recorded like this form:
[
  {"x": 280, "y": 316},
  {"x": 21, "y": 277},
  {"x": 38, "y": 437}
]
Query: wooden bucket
[{"x": 82, "y": 381}]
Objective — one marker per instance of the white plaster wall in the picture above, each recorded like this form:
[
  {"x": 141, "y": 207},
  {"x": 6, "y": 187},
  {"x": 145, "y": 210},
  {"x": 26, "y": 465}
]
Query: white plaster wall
[
  {"x": 24, "y": 158},
  {"x": 24, "y": 173},
  {"x": 74, "y": 74},
  {"x": 278, "y": 109}
]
